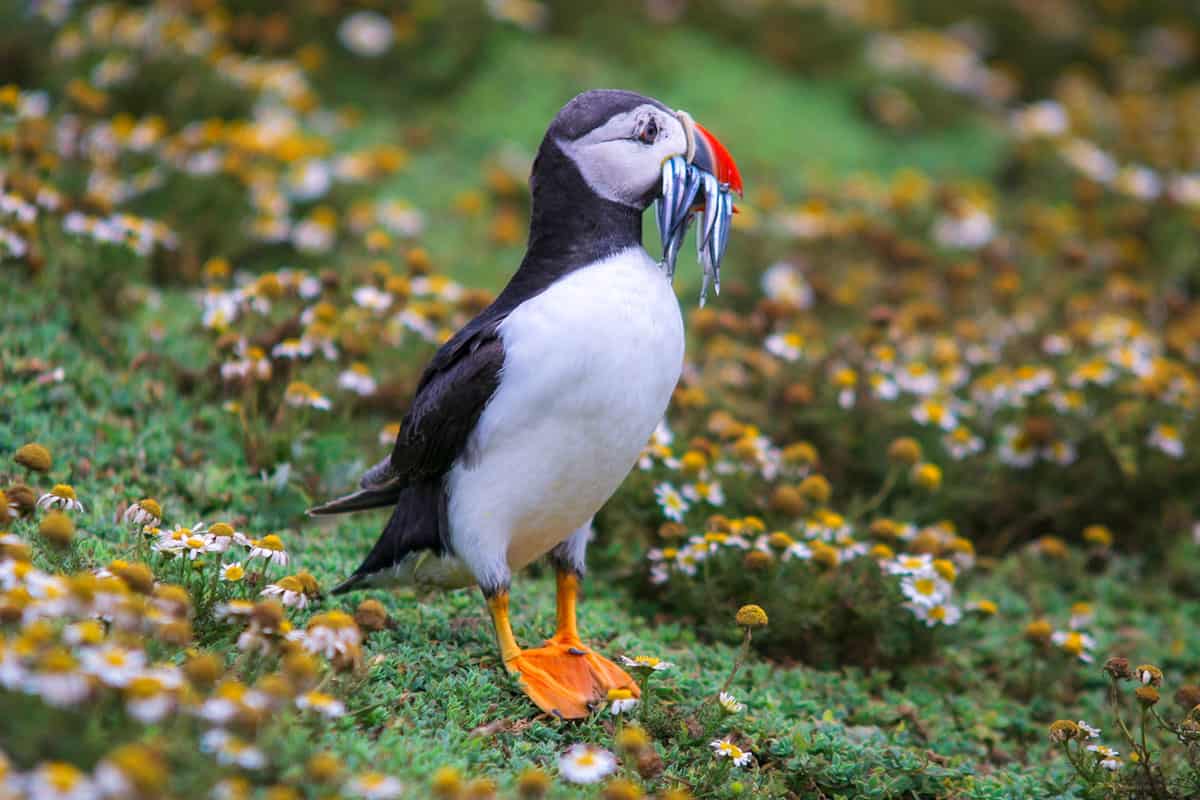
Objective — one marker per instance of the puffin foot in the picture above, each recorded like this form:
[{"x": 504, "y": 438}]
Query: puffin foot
[{"x": 566, "y": 679}]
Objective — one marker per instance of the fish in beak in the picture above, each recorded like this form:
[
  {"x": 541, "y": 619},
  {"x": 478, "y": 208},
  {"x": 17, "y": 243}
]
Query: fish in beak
[{"x": 698, "y": 184}]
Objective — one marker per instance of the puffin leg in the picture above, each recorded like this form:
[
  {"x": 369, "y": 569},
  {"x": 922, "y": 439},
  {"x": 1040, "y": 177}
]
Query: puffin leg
[{"x": 563, "y": 677}]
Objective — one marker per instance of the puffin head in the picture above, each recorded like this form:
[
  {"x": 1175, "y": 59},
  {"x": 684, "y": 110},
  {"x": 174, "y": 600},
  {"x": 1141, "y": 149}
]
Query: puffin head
[{"x": 619, "y": 142}]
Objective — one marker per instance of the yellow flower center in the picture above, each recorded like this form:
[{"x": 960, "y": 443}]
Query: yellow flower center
[{"x": 63, "y": 777}]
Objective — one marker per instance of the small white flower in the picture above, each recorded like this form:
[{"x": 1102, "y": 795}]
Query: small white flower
[
  {"x": 56, "y": 780},
  {"x": 323, "y": 704},
  {"x": 136, "y": 514},
  {"x": 705, "y": 491},
  {"x": 113, "y": 665},
  {"x": 231, "y": 750},
  {"x": 905, "y": 564},
  {"x": 357, "y": 379},
  {"x": 371, "y": 298},
  {"x": 586, "y": 763},
  {"x": 270, "y": 550},
  {"x": 289, "y": 596},
  {"x": 932, "y": 615},
  {"x": 1092, "y": 732},
  {"x": 1075, "y": 643},
  {"x": 620, "y": 701},
  {"x": 729, "y": 704},
  {"x": 60, "y": 689},
  {"x": 646, "y": 663},
  {"x": 723, "y": 748},
  {"x": 1167, "y": 439},
  {"x": 788, "y": 346},
  {"x": 61, "y": 496},
  {"x": 366, "y": 33},
  {"x": 374, "y": 786},
  {"x": 672, "y": 503},
  {"x": 926, "y": 590},
  {"x": 233, "y": 572}
]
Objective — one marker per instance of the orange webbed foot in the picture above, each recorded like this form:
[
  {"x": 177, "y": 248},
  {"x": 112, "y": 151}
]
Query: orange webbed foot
[{"x": 567, "y": 679}]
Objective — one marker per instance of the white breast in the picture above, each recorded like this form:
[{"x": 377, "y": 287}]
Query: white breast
[{"x": 589, "y": 367}]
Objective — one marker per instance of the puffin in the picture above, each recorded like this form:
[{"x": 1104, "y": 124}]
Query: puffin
[{"x": 529, "y": 418}]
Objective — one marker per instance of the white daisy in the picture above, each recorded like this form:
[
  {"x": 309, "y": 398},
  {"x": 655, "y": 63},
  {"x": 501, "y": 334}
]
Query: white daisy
[
  {"x": 705, "y": 491},
  {"x": 358, "y": 379},
  {"x": 1167, "y": 439},
  {"x": 324, "y": 704},
  {"x": 672, "y": 503},
  {"x": 649, "y": 663},
  {"x": 925, "y": 590},
  {"x": 620, "y": 701},
  {"x": 729, "y": 704},
  {"x": 374, "y": 786},
  {"x": 61, "y": 496},
  {"x": 366, "y": 33},
  {"x": 723, "y": 748},
  {"x": 113, "y": 665},
  {"x": 586, "y": 763},
  {"x": 940, "y": 614}
]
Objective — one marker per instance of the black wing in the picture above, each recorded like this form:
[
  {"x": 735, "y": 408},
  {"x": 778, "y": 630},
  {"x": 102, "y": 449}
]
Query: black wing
[
  {"x": 455, "y": 388},
  {"x": 451, "y": 395}
]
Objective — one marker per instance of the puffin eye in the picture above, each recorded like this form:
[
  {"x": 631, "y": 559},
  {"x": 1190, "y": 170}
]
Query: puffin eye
[{"x": 649, "y": 132}]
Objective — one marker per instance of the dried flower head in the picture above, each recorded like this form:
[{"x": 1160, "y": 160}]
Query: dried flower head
[
  {"x": 1188, "y": 697},
  {"x": 621, "y": 789},
  {"x": 1039, "y": 631},
  {"x": 323, "y": 767},
  {"x": 480, "y": 789},
  {"x": 532, "y": 784},
  {"x": 204, "y": 669},
  {"x": 905, "y": 451},
  {"x": 1117, "y": 668},
  {"x": 57, "y": 529},
  {"x": 788, "y": 500},
  {"x": 1147, "y": 695},
  {"x": 1098, "y": 536},
  {"x": 33, "y": 456},
  {"x": 632, "y": 739},
  {"x": 137, "y": 576},
  {"x": 371, "y": 616},
  {"x": 751, "y": 616},
  {"x": 1063, "y": 730},
  {"x": 816, "y": 488},
  {"x": 446, "y": 783}
]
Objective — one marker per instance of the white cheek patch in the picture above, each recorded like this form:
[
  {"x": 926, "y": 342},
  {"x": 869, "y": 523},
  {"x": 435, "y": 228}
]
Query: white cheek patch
[{"x": 622, "y": 169}]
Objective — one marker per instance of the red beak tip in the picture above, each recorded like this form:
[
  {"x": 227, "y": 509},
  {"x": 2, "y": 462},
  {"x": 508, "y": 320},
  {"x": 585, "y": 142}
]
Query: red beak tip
[{"x": 727, "y": 171}]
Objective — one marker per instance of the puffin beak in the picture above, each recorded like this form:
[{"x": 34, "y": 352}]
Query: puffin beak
[
  {"x": 699, "y": 183},
  {"x": 712, "y": 157}
]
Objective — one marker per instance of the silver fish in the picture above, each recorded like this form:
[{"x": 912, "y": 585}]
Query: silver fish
[{"x": 682, "y": 183}]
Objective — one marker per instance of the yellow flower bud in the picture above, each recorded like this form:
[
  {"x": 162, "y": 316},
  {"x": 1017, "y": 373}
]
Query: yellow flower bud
[
  {"x": 33, "y": 456},
  {"x": 751, "y": 616}
]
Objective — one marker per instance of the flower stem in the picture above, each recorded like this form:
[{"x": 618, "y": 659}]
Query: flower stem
[{"x": 737, "y": 663}]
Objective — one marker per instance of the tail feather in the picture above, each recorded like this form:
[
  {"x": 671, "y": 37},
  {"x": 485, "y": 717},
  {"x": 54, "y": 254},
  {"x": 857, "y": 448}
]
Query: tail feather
[
  {"x": 348, "y": 585},
  {"x": 417, "y": 524},
  {"x": 358, "y": 501}
]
